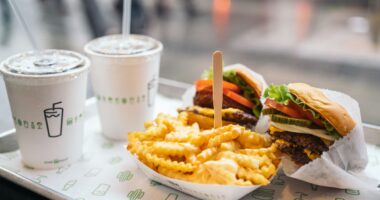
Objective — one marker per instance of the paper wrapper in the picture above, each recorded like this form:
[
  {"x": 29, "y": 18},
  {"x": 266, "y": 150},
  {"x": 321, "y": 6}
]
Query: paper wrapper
[
  {"x": 340, "y": 166},
  {"x": 201, "y": 191},
  {"x": 187, "y": 98}
]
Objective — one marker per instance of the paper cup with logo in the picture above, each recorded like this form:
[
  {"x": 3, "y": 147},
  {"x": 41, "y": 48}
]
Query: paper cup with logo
[
  {"x": 125, "y": 81},
  {"x": 47, "y": 91}
]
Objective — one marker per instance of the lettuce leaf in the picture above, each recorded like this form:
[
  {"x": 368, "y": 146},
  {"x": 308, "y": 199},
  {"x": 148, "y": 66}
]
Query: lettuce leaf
[
  {"x": 208, "y": 74},
  {"x": 281, "y": 94},
  {"x": 257, "y": 107}
]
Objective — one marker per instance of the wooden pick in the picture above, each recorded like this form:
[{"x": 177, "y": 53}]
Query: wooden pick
[{"x": 217, "y": 89}]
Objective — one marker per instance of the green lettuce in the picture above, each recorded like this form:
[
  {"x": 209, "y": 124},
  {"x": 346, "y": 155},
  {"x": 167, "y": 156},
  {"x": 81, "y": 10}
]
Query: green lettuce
[
  {"x": 257, "y": 107},
  {"x": 281, "y": 94},
  {"x": 208, "y": 74}
]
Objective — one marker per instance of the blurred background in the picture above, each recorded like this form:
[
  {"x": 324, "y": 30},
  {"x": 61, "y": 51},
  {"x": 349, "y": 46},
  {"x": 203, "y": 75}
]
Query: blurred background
[{"x": 326, "y": 43}]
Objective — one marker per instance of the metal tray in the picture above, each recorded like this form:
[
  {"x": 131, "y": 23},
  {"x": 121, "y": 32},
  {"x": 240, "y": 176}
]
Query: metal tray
[{"x": 106, "y": 172}]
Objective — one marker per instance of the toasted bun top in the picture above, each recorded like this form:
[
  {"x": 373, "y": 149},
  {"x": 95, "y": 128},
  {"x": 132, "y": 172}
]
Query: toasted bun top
[
  {"x": 252, "y": 82},
  {"x": 333, "y": 112}
]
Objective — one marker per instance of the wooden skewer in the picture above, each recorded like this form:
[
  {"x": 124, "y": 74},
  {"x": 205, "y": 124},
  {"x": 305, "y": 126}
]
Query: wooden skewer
[{"x": 217, "y": 89}]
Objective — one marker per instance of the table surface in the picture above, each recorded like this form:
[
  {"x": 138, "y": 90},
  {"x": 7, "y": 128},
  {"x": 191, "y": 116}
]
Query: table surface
[{"x": 10, "y": 190}]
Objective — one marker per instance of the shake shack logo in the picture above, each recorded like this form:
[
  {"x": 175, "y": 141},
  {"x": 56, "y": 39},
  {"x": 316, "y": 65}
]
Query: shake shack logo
[
  {"x": 122, "y": 100},
  {"x": 54, "y": 120}
]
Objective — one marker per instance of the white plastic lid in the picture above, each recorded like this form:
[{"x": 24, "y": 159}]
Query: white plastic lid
[
  {"x": 43, "y": 62},
  {"x": 115, "y": 45}
]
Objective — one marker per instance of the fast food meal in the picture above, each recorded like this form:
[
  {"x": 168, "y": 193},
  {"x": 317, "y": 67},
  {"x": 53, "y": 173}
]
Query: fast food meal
[
  {"x": 303, "y": 121},
  {"x": 229, "y": 155},
  {"x": 205, "y": 117},
  {"x": 240, "y": 91}
]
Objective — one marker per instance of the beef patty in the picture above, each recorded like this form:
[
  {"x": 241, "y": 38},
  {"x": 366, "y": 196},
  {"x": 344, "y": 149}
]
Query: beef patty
[
  {"x": 311, "y": 142},
  {"x": 297, "y": 143},
  {"x": 203, "y": 98},
  {"x": 295, "y": 153}
]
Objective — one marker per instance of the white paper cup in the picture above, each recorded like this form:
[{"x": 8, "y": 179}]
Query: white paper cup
[
  {"x": 47, "y": 106},
  {"x": 124, "y": 83}
]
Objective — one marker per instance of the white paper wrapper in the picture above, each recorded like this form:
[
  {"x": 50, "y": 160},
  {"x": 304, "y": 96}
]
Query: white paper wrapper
[
  {"x": 201, "y": 191},
  {"x": 339, "y": 166}
]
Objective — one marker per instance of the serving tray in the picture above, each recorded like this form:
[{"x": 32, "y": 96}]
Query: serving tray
[{"x": 106, "y": 171}]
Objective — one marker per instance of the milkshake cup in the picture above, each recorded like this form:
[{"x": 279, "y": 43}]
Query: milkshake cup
[
  {"x": 125, "y": 80},
  {"x": 47, "y": 91}
]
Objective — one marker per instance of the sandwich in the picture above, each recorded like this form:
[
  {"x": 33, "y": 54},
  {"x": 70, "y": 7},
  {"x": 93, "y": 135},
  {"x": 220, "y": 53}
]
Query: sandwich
[
  {"x": 205, "y": 117},
  {"x": 240, "y": 91},
  {"x": 303, "y": 121}
]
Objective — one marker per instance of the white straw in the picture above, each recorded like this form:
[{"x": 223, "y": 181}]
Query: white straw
[
  {"x": 23, "y": 24},
  {"x": 126, "y": 19}
]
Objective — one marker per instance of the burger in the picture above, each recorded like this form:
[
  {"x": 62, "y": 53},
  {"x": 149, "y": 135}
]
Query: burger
[
  {"x": 303, "y": 121},
  {"x": 240, "y": 91},
  {"x": 205, "y": 117}
]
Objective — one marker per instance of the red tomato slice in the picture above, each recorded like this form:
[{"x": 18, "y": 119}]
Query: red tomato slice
[
  {"x": 283, "y": 108},
  {"x": 238, "y": 98},
  {"x": 202, "y": 84}
]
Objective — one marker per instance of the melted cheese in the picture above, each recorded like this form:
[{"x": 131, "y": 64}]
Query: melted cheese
[
  {"x": 327, "y": 142},
  {"x": 310, "y": 154},
  {"x": 298, "y": 129},
  {"x": 208, "y": 112},
  {"x": 283, "y": 142},
  {"x": 273, "y": 129}
]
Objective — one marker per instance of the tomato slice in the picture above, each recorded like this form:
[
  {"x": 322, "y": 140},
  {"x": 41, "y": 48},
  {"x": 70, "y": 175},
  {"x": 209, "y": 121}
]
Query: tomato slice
[
  {"x": 238, "y": 98},
  {"x": 283, "y": 108},
  {"x": 202, "y": 84}
]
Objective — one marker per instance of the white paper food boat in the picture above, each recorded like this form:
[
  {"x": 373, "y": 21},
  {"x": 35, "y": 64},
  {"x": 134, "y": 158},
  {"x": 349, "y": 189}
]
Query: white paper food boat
[{"x": 202, "y": 191}]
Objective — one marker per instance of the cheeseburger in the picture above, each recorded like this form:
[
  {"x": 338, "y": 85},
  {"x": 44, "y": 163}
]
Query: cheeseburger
[
  {"x": 240, "y": 91},
  {"x": 303, "y": 121}
]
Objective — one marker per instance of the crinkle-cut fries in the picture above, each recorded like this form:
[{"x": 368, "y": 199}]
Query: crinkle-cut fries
[{"x": 229, "y": 155}]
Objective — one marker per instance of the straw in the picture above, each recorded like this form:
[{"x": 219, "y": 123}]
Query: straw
[
  {"x": 126, "y": 26},
  {"x": 23, "y": 24},
  {"x": 217, "y": 90},
  {"x": 54, "y": 104}
]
